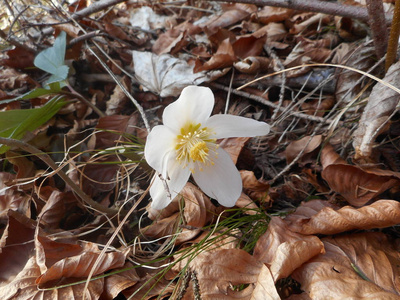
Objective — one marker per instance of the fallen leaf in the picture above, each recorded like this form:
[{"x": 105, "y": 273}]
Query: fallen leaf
[
  {"x": 332, "y": 220},
  {"x": 164, "y": 75},
  {"x": 119, "y": 282},
  {"x": 218, "y": 270},
  {"x": 356, "y": 185},
  {"x": 265, "y": 286},
  {"x": 305, "y": 145},
  {"x": 358, "y": 266},
  {"x": 381, "y": 104},
  {"x": 283, "y": 250},
  {"x": 257, "y": 189}
]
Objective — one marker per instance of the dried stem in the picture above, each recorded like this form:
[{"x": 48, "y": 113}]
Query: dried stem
[
  {"x": 378, "y": 26},
  {"x": 271, "y": 104},
  {"x": 326, "y": 7},
  {"x": 394, "y": 37},
  {"x": 48, "y": 161},
  {"x": 95, "y": 7}
]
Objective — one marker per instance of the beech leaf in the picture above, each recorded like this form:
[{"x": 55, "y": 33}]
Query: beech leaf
[
  {"x": 331, "y": 220},
  {"x": 358, "y": 266},
  {"x": 283, "y": 250},
  {"x": 381, "y": 104}
]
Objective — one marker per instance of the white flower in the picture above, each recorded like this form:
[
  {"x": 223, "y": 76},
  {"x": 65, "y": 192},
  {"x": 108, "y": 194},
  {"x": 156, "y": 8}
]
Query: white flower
[{"x": 186, "y": 144}]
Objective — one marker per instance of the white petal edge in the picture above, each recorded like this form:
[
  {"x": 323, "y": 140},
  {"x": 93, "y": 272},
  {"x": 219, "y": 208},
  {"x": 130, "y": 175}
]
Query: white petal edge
[
  {"x": 194, "y": 105},
  {"x": 220, "y": 181},
  {"x": 159, "y": 143},
  {"x": 177, "y": 178},
  {"x": 226, "y": 126}
]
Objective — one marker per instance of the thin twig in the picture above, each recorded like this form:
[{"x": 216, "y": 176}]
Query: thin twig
[
  {"x": 95, "y": 7},
  {"x": 326, "y": 7},
  {"x": 271, "y": 104},
  {"x": 49, "y": 162}
]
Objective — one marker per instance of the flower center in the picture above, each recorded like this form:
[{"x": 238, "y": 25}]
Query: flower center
[{"x": 193, "y": 144}]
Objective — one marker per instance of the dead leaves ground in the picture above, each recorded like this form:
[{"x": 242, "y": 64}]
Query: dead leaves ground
[{"x": 319, "y": 213}]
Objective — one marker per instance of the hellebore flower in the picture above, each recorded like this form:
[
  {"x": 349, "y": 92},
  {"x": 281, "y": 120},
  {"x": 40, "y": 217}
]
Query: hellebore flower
[{"x": 186, "y": 144}]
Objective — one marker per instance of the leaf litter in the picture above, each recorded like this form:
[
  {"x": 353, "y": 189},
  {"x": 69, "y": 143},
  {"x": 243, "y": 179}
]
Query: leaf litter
[{"x": 319, "y": 212}]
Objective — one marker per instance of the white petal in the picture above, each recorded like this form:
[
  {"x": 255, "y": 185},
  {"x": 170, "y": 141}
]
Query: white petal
[
  {"x": 226, "y": 126},
  {"x": 194, "y": 105},
  {"x": 176, "y": 180},
  {"x": 220, "y": 181},
  {"x": 159, "y": 143}
]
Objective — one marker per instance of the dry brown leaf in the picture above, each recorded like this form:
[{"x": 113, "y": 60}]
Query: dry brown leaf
[
  {"x": 117, "y": 283},
  {"x": 283, "y": 250},
  {"x": 234, "y": 146},
  {"x": 233, "y": 14},
  {"x": 338, "y": 274},
  {"x": 381, "y": 104},
  {"x": 306, "y": 144},
  {"x": 360, "y": 58},
  {"x": 11, "y": 198},
  {"x": 252, "y": 65},
  {"x": 80, "y": 265},
  {"x": 256, "y": 189},
  {"x": 316, "y": 19},
  {"x": 244, "y": 201},
  {"x": 356, "y": 185},
  {"x": 265, "y": 287},
  {"x": 224, "y": 57},
  {"x": 112, "y": 129},
  {"x": 24, "y": 287},
  {"x": 270, "y": 14},
  {"x": 198, "y": 212},
  {"x": 329, "y": 156},
  {"x": 218, "y": 270},
  {"x": 164, "y": 75},
  {"x": 329, "y": 220},
  {"x": 17, "y": 246}
]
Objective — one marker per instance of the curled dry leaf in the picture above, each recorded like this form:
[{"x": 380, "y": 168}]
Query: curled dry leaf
[
  {"x": 356, "y": 185},
  {"x": 198, "y": 212},
  {"x": 234, "y": 146},
  {"x": 256, "y": 189},
  {"x": 252, "y": 64},
  {"x": 358, "y": 266},
  {"x": 361, "y": 58},
  {"x": 265, "y": 287},
  {"x": 381, "y": 104},
  {"x": 80, "y": 265},
  {"x": 24, "y": 287},
  {"x": 11, "y": 198},
  {"x": 233, "y": 14},
  {"x": 331, "y": 220},
  {"x": 283, "y": 250},
  {"x": 117, "y": 283},
  {"x": 164, "y": 75},
  {"x": 304, "y": 146},
  {"x": 218, "y": 270}
]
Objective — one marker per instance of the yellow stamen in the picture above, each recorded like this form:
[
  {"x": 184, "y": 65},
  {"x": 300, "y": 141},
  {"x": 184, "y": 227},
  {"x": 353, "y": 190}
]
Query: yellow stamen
[
  {"x": 193, "y": 145},
  {"x": 199, "y": 152}
]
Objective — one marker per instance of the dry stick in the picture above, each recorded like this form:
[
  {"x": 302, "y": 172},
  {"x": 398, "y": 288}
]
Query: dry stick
[
  {"x": 48, "y": 161},
  {"x": 13, "y": 41},
  {"x": 378, "y": 26},
  {"x": 330, "y": 8},
  {"x": 95, "y": 7},
  {"x": 394, "y": 37},
  {"x": 270, "y": 104}
]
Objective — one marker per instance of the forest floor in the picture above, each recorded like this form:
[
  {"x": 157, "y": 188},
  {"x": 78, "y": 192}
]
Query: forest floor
[{"x": 319, "y": 212}]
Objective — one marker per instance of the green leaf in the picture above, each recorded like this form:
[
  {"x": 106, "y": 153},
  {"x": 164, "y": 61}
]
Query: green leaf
[
  {"x": 16, "y": 123},
  {"x": 52, "y": 59}
]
